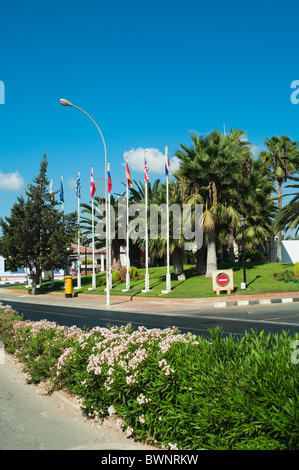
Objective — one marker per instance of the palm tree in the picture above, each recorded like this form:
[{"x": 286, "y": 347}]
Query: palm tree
[
  {"x": 158, "y": 246},
  {"x": 212, "y": 171},
  {"x": 281, "y": 159},
  {"x": 86, "y": 225},
  {"x": 288, "y": 216},
  {"x": 258, "y": 206}
]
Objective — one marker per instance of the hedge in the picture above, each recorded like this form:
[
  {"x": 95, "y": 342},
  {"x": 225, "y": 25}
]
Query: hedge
[{"x": 173, "y": 390}]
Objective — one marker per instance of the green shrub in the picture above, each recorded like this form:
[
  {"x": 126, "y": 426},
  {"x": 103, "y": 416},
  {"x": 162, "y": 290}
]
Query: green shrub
[
  {"x": 253, "y": 256},
  {"x": 179, "y": 390},
  {"x": 116, "y": 277},
  {"x": 296, "y": 270},
  {"x": 133, "y": 272},
  {"x": 87, "y": 261},
  {"x": 123, "y": 273},
  {"x": 286, "y": 276}
]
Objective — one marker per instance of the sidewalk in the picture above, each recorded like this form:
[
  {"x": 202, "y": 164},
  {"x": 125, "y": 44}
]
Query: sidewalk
[{"x": 32, "y": 420}]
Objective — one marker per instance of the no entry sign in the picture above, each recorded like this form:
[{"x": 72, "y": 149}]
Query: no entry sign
[{"x": 223, "y": 280}]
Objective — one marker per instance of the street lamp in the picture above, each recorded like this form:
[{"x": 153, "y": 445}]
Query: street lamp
[
  {"x": 64, "y": 102},
  {"x": 242, "y": 221}
]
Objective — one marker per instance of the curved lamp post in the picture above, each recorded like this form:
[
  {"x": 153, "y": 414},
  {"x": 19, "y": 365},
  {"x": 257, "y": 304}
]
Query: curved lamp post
[{"x": 64, "y": 102}]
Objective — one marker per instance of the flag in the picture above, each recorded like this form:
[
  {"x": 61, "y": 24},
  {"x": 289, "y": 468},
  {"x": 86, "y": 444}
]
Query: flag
[
  {"x": 78, "y": 186},
  {"x": 129, "y": 179},
  {"x": 109, "y": 182},
  {"x": 146, "y": 177},
  {"x": 92, "y": 185},
  {"x": 167, "y": 163},
  {"x": 61, "y": 196}
]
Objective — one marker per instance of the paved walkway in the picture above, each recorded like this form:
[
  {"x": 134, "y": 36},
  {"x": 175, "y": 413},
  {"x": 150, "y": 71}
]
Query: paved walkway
[{"x": 30, "y": 420}]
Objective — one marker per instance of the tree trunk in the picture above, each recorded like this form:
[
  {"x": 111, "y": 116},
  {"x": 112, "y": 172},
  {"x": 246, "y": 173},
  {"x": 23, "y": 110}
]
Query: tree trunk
[
  {"x": 116, "y": 255},
  {"x": 211, "y": 253},
  {"x": 178, "y": 262},
  {"x": 201, "y": 260},
  {"x": 279, "y": 237},
  {"x": 33, "y": 290},
  {"x": 231, "y": 245},
  {"x": 35, "y": 279}
]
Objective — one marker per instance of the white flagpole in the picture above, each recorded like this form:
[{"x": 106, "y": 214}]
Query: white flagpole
[
  {"x": 109, "y": 278},
  {"x": 51, "y": 192},
  {"x": 65, "y": 271},
  {"x": 146, "y": 242},
  {"x": 168, "y": 277},
  {"x": 128, "y": 241},
  {"x": 79, "y": 247},
  {"x": 146, "y": 288},
  {"x": 63, "y": 193},
  {"x": 93, "y": 256},
  {"x": 127, "y": 247}
]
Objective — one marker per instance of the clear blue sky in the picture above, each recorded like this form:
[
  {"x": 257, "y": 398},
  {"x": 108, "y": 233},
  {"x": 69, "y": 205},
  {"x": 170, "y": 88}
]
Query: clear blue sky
[{"x": 148, "y": 72}]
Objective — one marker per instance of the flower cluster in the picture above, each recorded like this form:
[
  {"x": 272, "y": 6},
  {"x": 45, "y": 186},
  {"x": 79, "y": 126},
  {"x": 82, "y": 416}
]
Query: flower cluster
[
  {"x": 165, "y": 367},
  {"x": 112, "y": 356}
]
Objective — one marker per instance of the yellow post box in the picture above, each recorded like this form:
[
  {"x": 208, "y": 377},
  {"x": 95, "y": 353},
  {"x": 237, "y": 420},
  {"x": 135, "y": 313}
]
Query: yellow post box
[{"x": 68, "y": 286}]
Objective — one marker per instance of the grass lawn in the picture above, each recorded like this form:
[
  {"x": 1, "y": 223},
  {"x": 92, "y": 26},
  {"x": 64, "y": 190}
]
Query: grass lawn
[{"x": 260, "y": 280}]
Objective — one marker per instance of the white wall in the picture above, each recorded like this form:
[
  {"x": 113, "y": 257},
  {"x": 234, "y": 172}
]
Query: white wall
[
  {"x": 290, "y": 251},
  {"x": 2, "y": 265}
]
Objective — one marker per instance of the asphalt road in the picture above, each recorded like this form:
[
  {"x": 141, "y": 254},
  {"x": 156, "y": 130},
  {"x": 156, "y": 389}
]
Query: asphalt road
[{"x": 235, "y": 320}]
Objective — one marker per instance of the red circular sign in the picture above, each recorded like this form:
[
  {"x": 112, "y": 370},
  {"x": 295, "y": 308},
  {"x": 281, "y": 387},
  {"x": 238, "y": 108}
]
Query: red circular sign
[{"x": 222, "y": 279}]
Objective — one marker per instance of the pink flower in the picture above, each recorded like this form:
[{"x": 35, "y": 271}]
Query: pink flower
[{"x": 129, "y": 431}]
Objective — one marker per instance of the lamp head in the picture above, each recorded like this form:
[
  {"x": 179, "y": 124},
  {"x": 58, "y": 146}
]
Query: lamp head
[
  {"x": 65, "y": 102},
  {"x": 242, "y": 220}
]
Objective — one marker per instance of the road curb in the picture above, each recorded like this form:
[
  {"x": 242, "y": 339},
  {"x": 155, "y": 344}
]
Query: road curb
[{"x": 242, "y": 303}]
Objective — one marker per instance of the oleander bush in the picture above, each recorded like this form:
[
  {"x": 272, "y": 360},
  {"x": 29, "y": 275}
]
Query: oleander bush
[{"x": 175, "y": 390}]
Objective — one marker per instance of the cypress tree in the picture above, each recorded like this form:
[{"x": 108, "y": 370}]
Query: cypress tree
[{"x": 36, "y": 236}]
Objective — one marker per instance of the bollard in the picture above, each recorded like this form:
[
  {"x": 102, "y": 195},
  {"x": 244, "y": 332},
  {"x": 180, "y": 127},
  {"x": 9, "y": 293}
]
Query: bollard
[{"x": 68, "y": 286}]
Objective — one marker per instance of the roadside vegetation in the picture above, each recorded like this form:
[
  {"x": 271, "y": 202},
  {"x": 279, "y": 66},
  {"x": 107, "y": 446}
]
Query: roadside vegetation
[
  {"x": 242, "y": 197},
  {"x": 262, "y": 278},
  {"x": 173, "y": 390}
]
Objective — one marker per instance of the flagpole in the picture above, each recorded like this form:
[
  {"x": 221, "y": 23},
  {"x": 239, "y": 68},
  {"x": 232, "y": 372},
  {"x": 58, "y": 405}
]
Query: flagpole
[
  {"x": 79, "y": 247},
  {"x": 93, "y": 256},
  {"x": 168, "y": 277},
  {"x": 52, "y": 271},
  {"x": 146, "y": 289},
  {"x": 146, "y": 242},
  {"x": 127, "y": 233},
  {"x": 108, "y": 228},
  {"x": 128, "y": 242},
  {"x": 62, "y": 193},
  {"x": 62, "y": 205}
]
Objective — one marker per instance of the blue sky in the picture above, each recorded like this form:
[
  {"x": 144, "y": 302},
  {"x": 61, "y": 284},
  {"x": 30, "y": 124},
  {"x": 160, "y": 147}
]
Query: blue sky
[{"x": 148, "y": 72}]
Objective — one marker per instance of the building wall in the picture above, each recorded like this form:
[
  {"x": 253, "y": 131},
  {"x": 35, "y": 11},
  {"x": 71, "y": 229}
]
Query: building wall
[
  {"x": 290, "y": 251},
  {"x": 2, "y": 265}
]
